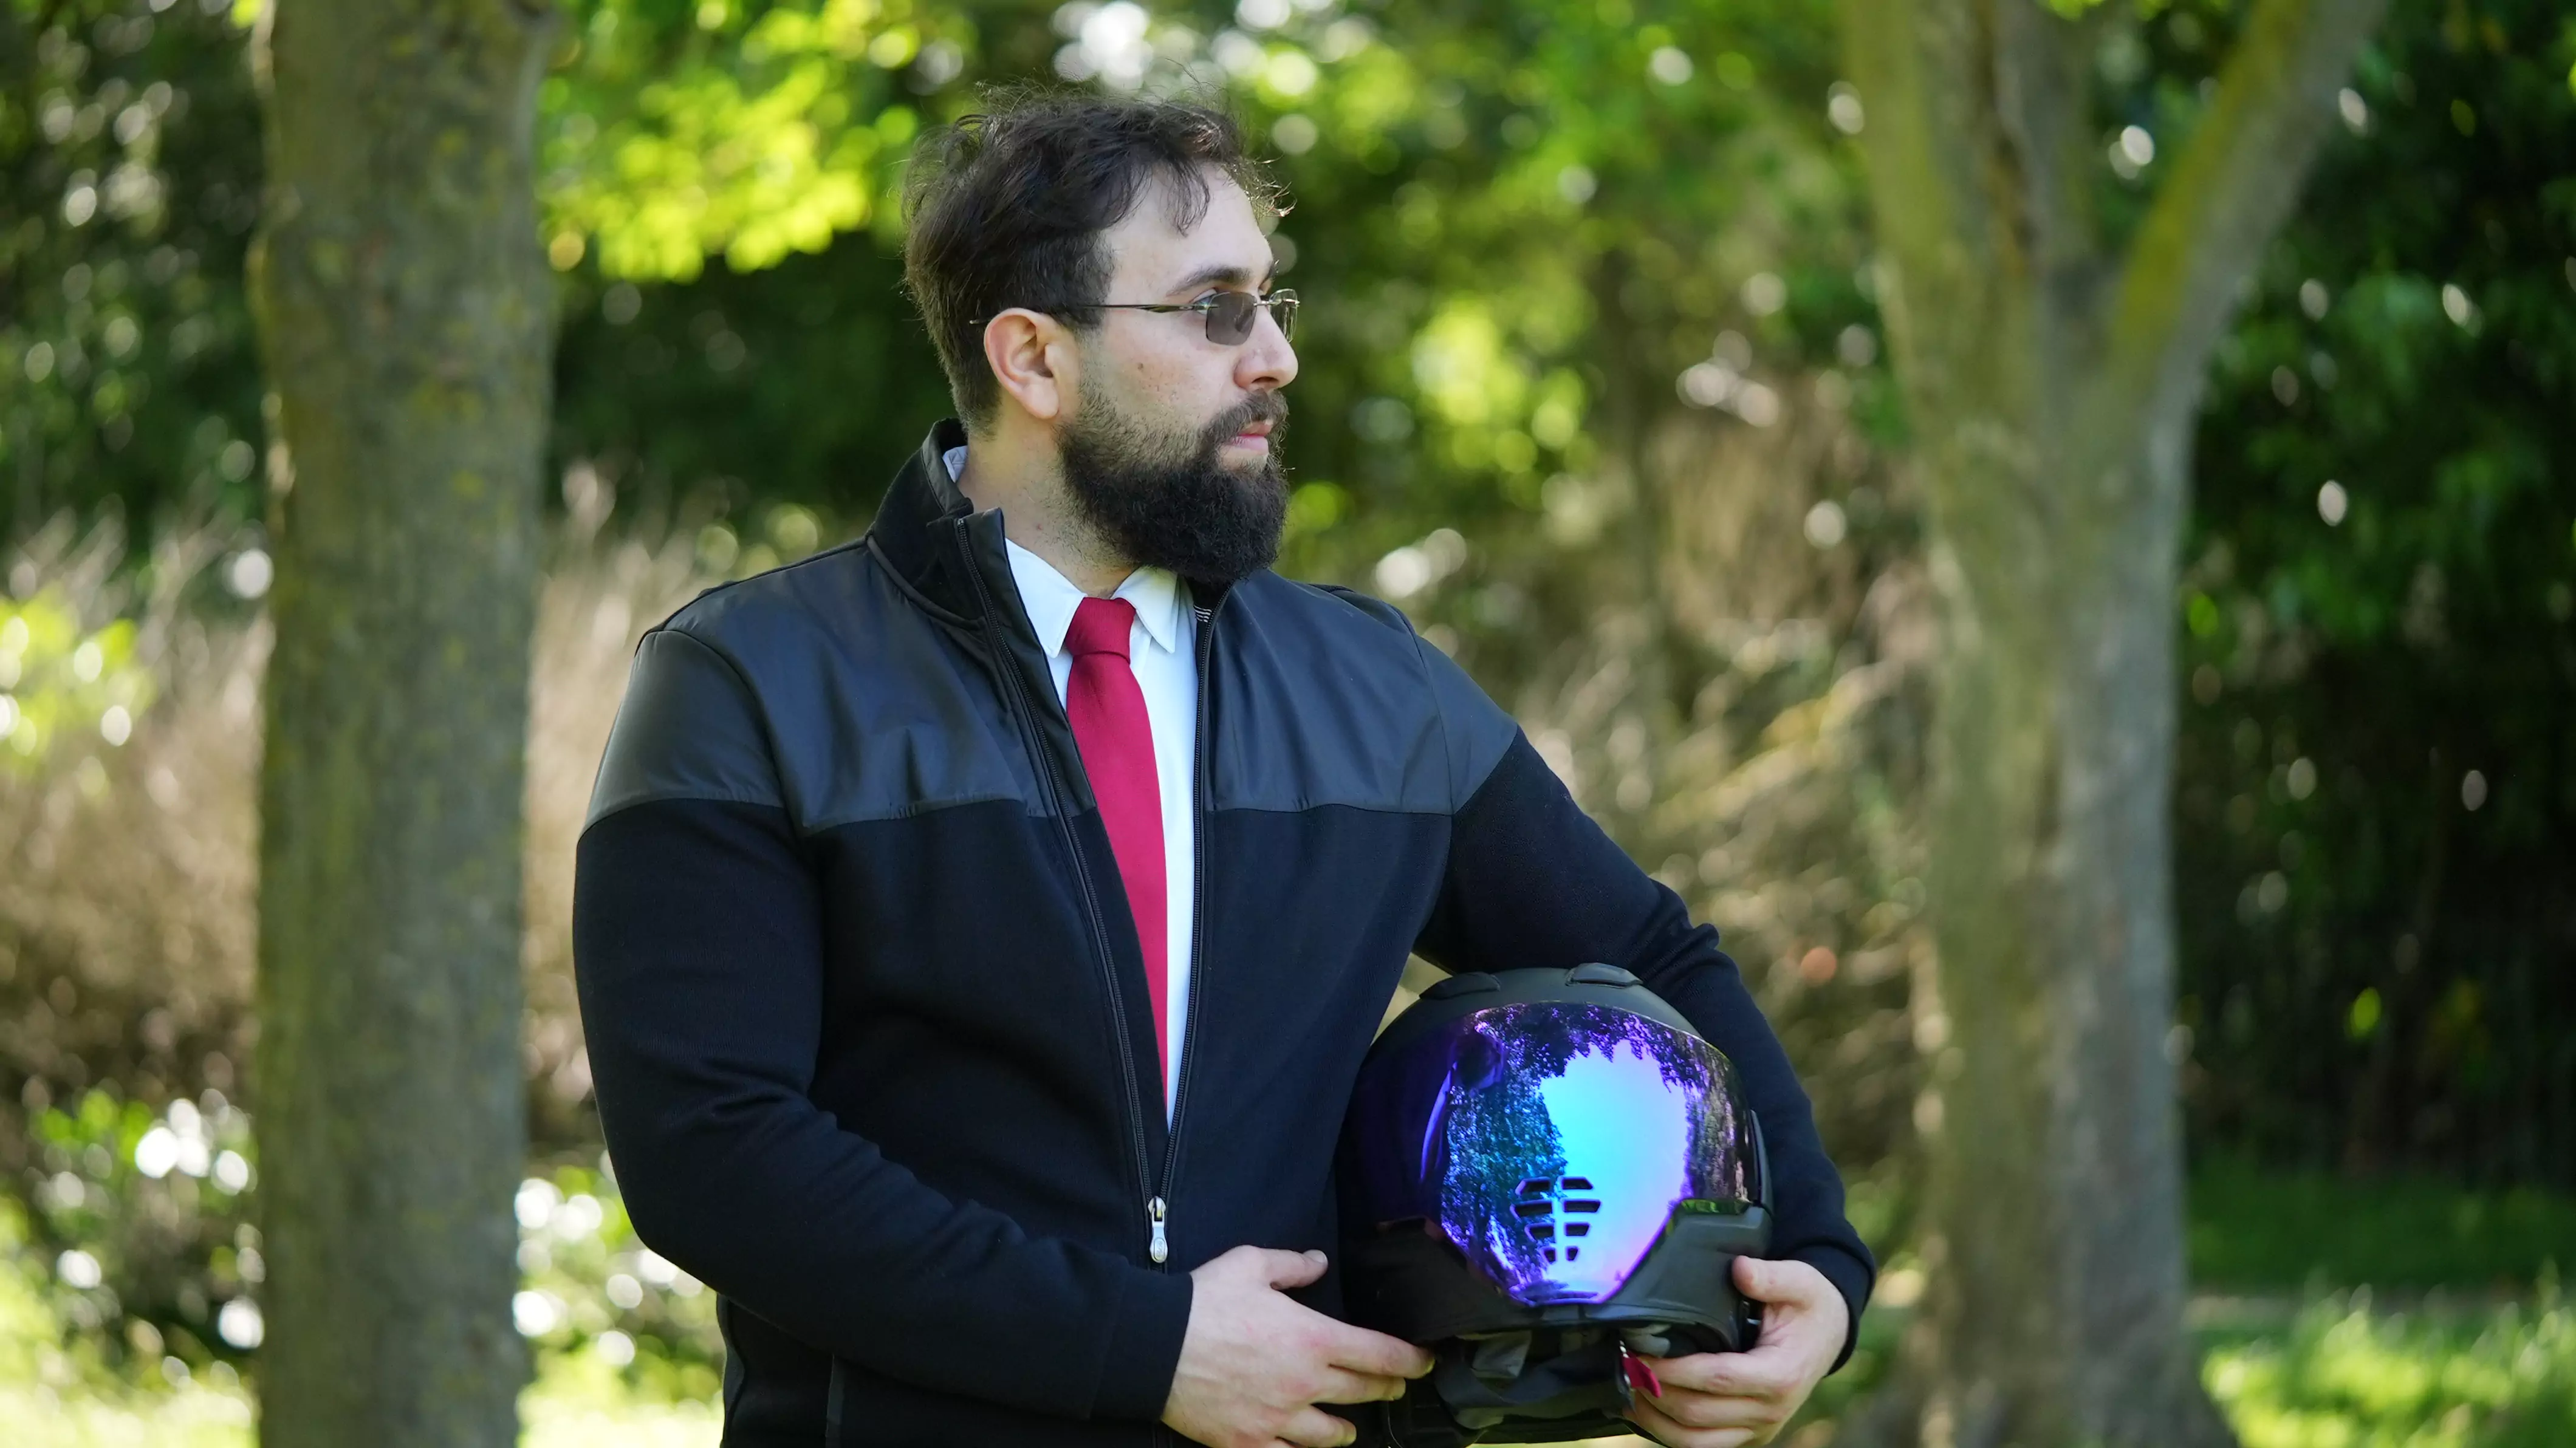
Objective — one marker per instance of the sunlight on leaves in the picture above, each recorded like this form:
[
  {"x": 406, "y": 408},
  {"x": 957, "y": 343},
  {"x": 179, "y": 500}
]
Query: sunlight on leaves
[{"x": 665, "y": 143}]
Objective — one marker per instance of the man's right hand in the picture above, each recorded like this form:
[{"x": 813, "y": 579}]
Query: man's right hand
[{"x": 1255, "y": 1363}]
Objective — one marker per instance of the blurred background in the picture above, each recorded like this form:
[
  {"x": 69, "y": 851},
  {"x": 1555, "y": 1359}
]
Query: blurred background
[{"x": 1595, "y": 385}]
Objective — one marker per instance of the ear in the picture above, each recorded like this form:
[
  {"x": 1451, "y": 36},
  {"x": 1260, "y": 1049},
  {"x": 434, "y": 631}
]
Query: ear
[{"x": 1033, "y": 357}]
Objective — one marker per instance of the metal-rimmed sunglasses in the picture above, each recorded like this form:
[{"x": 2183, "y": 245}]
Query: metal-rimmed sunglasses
[{"x": 1230, "y": 315}]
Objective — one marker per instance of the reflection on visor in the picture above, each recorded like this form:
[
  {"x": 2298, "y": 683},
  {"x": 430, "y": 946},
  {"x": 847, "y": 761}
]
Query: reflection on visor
[{"x": 1554, "y": 1141}]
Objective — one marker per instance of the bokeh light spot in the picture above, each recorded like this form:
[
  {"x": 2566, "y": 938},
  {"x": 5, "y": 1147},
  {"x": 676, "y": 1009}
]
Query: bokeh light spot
[{"x": 1842, "y": 107}]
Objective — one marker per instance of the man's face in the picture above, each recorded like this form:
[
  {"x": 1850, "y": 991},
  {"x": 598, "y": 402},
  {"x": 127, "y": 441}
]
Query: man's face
[{"x": 1170, "y": 447}]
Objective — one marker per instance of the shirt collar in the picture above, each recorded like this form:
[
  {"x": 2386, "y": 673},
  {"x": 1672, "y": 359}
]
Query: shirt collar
[{"x": 1051, "y": 598}]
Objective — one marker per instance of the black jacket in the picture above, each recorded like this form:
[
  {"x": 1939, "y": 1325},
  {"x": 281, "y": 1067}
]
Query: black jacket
[{"x": 867, "y": 1012}]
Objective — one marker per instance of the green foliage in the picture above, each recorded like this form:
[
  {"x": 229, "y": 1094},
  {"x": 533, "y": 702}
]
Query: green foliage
[
  {"x": 130, "y": 174},
  {"x": 1588, "y": 287},
  {"x": 2377, "y": 802},
  {"x": 139, "y": 1262},
  {"x": 145, "y": 1220},
  {"x": 805, "y": 383},
  {"x": 674, "y": 133},
  {"x": 56, "y": 679},
  {"x": 1520, "y": 227},
  {"x": 129, "y": 180},
  {"x": 2257, "y": 1229},
  {"x": 592, "y": 1292}
]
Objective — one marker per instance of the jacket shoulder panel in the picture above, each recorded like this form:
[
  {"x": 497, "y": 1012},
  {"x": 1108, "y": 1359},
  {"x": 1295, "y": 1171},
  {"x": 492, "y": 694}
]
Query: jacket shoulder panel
[
  {"x": 1328, "y": 697},
  {"x": 863, "y": 702},
  {"x": 686, "y": 729}
]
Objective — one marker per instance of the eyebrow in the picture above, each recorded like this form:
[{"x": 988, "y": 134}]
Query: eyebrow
[{"x": 1221, "y": 274}]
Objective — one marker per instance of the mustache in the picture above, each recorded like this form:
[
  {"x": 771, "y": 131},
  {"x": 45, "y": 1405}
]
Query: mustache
[{"x": 1267, "y": 407}]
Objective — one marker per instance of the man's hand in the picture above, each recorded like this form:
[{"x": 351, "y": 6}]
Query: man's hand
[
  {"x": 1254, "y": 1363},
  {"x": 1737, "y": 1399}
]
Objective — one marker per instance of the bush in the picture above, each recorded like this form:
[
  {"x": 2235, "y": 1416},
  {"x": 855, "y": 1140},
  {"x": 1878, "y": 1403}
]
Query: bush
[
  {"x": 128, "y": 829},
  {"x": 590, "y": 1287},
  {"x": 145, "y": 1220}
]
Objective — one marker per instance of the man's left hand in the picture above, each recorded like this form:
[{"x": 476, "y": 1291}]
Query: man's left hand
[{"x": 1738, "y": 1399}]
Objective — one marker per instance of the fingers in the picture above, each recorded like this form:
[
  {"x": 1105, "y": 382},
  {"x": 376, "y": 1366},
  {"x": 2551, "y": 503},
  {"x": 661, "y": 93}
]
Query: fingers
[
  {"x": 1376, "y": 1354},
  {"x": 1764, "y": 1373},
  {"x": 1714, "y": 1410},
  {"x": 1288, "y": 1269},
  {"x": 1314, "y": 1428},
  {"x": 1675, "y": 1432},
  {"x": 1788, "y": 1283},
  {"x": 1341, "y": 1386}
]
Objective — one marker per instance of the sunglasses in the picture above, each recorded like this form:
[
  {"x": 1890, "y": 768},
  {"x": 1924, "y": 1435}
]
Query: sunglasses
[{"x": 1230, "y": 315}]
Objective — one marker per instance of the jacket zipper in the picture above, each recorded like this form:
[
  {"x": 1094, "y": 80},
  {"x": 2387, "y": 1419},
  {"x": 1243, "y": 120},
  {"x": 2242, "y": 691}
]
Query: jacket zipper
[
  {"x": 1051, "y": 778},
  {"x": 1157, "y": 1209}
]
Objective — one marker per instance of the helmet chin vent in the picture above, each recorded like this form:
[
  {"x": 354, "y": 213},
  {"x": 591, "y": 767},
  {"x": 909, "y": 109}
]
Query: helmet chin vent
[{"x": 1547, "y": 1213}]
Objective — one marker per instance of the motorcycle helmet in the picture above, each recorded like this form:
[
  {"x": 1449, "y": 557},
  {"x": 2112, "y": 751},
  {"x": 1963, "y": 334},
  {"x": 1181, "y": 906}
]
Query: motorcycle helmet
[{"x": 1546, "y": 1174}]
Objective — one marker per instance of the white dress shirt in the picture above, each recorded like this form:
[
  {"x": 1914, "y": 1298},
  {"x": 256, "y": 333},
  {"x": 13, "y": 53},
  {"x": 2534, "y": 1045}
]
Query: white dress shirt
[{"x": 1162, "y": 651}]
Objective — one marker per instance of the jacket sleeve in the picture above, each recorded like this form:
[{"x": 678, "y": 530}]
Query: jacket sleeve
[
  {"x": 698, "y": 948},
  {"x": 1532, "y": 881}
]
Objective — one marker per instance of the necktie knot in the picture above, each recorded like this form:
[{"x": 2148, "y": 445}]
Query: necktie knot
[{"x": 1100, "y": 626}]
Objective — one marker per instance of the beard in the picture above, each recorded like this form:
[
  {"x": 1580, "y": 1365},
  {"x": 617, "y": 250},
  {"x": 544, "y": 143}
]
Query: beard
[{"x": 1167, "y": 500}]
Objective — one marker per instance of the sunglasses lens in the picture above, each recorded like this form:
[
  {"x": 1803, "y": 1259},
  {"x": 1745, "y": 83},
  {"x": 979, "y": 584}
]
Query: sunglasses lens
[
  {"x": 1229, "y": 318},
  {"x": 1283, "y": 307}
]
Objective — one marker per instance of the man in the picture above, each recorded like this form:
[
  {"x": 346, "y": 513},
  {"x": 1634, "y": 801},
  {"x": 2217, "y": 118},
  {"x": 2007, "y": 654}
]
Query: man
[{"x": 980, "y": 926}]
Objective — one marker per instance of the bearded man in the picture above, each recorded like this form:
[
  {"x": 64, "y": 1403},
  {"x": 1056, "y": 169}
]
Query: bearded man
[{"x": 979, "y": 927}]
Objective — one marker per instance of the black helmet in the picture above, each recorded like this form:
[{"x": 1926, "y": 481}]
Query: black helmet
[{"x": 1544, "y": 1174}]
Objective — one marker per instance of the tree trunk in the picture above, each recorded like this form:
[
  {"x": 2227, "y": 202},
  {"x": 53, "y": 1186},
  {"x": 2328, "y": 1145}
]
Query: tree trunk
[
  {"x": 404, "y": 310},
  {"x": 2055, "y": 1219},
  {"x": 2053, "y": 381}
]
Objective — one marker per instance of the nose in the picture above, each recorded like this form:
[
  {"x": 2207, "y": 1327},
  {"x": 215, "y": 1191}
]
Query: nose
[{"x": 1265, "y": 359}]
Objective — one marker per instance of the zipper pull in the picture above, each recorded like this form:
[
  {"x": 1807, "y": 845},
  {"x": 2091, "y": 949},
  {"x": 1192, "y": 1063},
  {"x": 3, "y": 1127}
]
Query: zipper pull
[{"x": 1161, "y": 1247}]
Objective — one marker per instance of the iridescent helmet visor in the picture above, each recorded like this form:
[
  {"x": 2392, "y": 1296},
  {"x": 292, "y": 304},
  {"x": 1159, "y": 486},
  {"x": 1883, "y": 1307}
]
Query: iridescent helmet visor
[{"x": 1550, "y": 1141}]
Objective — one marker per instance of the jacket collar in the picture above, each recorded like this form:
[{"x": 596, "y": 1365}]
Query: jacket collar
[{"x": 916, "y": 526}]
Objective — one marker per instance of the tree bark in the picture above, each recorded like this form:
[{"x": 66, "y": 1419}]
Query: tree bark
[
  {"x": 404, "y": 310},
  {"x": 2053, "y": 379}
]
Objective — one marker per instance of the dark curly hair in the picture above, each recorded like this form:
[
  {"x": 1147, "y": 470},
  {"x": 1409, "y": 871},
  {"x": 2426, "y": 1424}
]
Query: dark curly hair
[{"x": 1006, "y": 209}]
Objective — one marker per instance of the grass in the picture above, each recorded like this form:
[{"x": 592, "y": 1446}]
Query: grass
[
  {"x": 2347, "y": 1373},
  {"x": 2462, "y": 1339},
  {"x": 2258, "y": 1229},
  {"x": 573, "y": 1404},
  {"x": 2404, "y": 1313},
  {"x": 2339, "y": 1371}
]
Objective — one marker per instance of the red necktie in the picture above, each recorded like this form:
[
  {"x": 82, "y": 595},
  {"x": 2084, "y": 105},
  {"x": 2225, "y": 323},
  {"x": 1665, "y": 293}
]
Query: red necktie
[{"x": 1117, "y": 743}]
